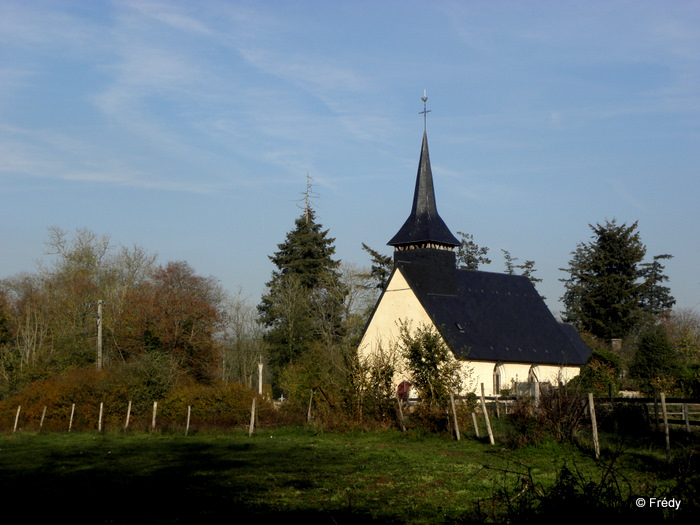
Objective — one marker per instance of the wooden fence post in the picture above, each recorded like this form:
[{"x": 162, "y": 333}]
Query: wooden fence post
[
  {"x": 252, "y": 419},
  {"x": 189, "y": 413},
  {"x": 155, "y": 410},
  {"x": 72, "y": 413},
  {"x": 43, "y": 416},
  {"x": 656, "y": 410},
  {"x": 454, "y": 414},
  {"x": 668, "y": 438},
  {"x": 99, "y": 419},
  {"x": 128, "y": 415},
  {"x": 486, "y": 415},
  {"x": 476, "y": 425},
  {"x": 594, "y": 425},
  {"x": 19, "y": 407}
]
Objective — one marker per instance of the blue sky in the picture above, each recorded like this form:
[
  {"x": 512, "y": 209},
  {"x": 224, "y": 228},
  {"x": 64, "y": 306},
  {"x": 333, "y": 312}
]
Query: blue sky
[{"x": 189, "y": 127}]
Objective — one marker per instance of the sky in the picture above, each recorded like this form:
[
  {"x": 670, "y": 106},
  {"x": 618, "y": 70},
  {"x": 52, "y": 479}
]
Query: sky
[{"x": 189, "y": 128}]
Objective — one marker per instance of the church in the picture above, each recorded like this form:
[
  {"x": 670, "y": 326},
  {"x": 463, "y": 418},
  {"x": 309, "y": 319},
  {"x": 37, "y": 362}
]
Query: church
[{"x": 496, "y": 325}]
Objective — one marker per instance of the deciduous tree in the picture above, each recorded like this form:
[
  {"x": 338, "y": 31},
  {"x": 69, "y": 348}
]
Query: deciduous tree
[{"x": 434, "y": 370}]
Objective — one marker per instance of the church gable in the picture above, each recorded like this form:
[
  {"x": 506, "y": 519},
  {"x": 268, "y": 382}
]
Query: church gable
[{"x": 397, "y": 303}]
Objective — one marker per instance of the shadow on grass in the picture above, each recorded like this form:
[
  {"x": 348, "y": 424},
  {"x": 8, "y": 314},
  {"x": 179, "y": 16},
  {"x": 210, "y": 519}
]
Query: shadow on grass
[{"x": 163, "y": 481}]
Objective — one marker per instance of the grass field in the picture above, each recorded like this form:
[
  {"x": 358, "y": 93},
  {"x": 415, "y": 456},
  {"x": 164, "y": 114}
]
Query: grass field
[{"x": 317, "y": 477}]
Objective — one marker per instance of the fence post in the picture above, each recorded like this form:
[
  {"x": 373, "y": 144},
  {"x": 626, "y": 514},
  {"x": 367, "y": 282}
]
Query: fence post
[
  {"x": 43, "y": 415},
  {"x": 252, "y": 419},
  {"x": 72, "y": 413},
  {"x": 99, "y": 419},
  {"x": 454, "y": 414},
  {"x": 19, "y": 407},
  {"x": 189, "y": 413},
  {"x": 656, "y": 410},
  {"x": 128, "y": 415},
  {"x": 594, "y": 425},
  {"x": 476, "y": 425},
  {"x": 155, "y": 410},
  {"x": 668, "y": 438},
  {"x": 486, "y": 415}
]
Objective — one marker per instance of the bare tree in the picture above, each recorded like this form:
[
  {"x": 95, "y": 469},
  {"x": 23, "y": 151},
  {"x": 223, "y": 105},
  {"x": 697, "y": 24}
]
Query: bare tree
[{"x": 242, "y": 338}]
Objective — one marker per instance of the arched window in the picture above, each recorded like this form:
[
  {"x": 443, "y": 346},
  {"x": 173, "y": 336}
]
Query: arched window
[{"x": 498, "y": 375}]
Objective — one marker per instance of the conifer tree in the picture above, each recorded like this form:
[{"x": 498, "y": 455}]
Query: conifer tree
[
  {"x": 469, "y": 254},
  {"x": 382, "y": 266},
  {"x": 607, "y": 285},
  {"x": 303, "y": 304},
  {"x": 655, "y": 362},
  {"x": 656, "y": 298}
]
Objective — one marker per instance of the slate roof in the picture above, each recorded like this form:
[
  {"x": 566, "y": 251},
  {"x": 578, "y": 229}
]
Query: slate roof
[
  {"x": 495, "y": 317},
  {"x": 424, "y": 225}
]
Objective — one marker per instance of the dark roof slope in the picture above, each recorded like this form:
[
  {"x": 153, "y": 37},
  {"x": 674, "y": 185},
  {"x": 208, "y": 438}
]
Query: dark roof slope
[
  {"x": 424, "y": 224},
  {"x": 497, "y": 317}
]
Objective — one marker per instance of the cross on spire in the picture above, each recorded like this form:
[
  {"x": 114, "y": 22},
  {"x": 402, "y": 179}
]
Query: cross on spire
[{"x": 425, "y": 111}]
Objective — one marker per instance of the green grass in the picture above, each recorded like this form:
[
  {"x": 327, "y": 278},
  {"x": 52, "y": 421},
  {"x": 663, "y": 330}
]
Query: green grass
[{"x": 288, "y": 473}]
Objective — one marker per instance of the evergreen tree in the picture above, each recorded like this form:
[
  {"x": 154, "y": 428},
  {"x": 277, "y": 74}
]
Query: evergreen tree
[
  {"x": 304, "y": 301},
  {"x": 656, "y": 299},
  {"x": 603, "y": 293},
  {"x": 655, "y": 363},
  {"x": 469, "y": 254},
  {"x": 526, "y": 269},
  {"x": 381, "y": 266}
]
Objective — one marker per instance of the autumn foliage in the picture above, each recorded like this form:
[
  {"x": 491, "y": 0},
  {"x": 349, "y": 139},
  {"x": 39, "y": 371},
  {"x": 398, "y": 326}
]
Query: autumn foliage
[
  {"x": 150, "y": 312},
  {"x": 215, "y": 405}
]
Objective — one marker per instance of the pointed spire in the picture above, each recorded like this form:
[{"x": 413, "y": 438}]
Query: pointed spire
[{"x": 424, "y": 227}]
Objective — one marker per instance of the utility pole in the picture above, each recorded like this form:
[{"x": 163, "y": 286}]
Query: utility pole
[{"x": 99, "y": 335}]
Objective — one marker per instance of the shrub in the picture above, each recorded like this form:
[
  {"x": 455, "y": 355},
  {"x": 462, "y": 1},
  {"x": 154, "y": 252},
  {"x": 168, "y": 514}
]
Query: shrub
[
  {"x": 218, "y": 405},
  {"x": 559, "y": 413}
]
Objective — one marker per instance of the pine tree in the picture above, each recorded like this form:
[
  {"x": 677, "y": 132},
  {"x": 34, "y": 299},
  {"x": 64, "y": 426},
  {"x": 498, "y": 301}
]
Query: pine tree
[
  {"x": 527, "y": 269},
  {"x": 382, "y": 266},
  {"x": 603, "y": 293},
  {"x": 304, "y": 300},
  {"x": 656, "y": 299},
  {"x": 469, "y": 254}
]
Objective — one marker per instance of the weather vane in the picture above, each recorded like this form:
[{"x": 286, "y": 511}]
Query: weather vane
[{"x": 425, "y": 111}]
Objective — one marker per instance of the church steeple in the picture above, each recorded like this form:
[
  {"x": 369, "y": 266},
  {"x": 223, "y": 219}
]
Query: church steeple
[{"x": 424, "y": 228}]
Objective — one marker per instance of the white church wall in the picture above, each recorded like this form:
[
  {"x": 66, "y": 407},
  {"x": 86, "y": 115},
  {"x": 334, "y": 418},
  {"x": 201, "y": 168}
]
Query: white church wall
[
  {"x": 399, "y": 303},
  {"x": 511, "y": 374}
]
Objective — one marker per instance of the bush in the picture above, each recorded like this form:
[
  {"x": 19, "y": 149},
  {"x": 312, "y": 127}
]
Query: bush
[
  {"x": 142, "y": 383},
  {"x": 219, "y": 405},
  {"x": 559, "y": 414}
]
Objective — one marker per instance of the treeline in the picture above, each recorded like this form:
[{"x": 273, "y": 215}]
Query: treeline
[
  {"x": 163, "y": 326},
  {"x": 154, "y": 316}
]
